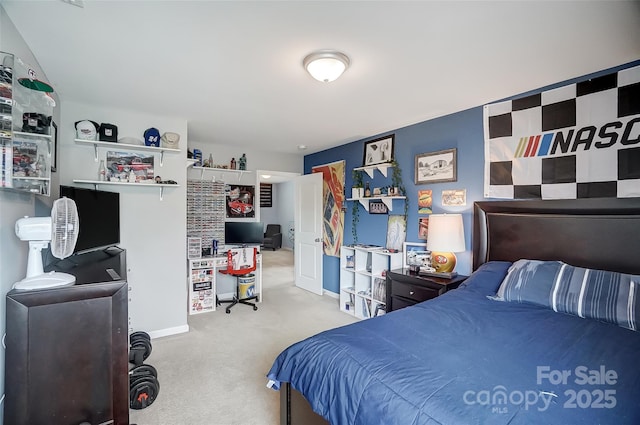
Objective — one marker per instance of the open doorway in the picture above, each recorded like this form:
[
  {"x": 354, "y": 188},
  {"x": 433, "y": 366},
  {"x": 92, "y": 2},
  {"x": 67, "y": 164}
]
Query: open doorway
[{"x": 278, "y": 209}]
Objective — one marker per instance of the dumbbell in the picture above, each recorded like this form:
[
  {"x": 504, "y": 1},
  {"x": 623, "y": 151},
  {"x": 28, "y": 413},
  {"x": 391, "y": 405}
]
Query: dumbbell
[
  {"x": 140, "y": 347},
  {"x": 143, "y": 386}
]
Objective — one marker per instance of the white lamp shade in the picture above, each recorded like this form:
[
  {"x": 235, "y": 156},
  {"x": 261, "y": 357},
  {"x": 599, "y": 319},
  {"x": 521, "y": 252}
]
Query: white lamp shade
[
  {"x": 326, "y": 66},
  {"x": 446, "y": 233}
]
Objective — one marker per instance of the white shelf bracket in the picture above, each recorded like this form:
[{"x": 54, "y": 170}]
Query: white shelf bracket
[
  {"x": 369, "y": 171},
  {"x": 388, "y": 202},
  {"x": 161, "y": 192},
  {"x": 161, "y": 157},
  {"x": 95, "y": 153},
  {"x": 383, "y": 169},
  {"x": 364, "y": 204}
]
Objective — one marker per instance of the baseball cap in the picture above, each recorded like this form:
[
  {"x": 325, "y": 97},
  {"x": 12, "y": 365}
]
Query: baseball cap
[
  {"x": 33, "y": 122},
  {"x": 170, "y": 140},
  {"x": 87, "y": 130},
  {"x": 152, "y": 137},
  {"x": 108, "y": 132}
]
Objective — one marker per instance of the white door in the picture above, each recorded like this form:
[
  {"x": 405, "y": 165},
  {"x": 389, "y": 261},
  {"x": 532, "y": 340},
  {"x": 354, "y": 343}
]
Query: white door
[{"x": 308, "y": 232}]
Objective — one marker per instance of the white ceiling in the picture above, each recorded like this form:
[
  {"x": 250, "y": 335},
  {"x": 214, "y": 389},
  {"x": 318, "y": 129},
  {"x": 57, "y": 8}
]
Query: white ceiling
[{"x": 234, "y": 70}]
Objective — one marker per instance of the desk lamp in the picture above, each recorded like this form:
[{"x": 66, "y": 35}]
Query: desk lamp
[{"x": 444, "y": 237}]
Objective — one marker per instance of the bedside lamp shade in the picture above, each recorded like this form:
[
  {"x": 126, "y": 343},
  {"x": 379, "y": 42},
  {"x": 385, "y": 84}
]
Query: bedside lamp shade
[{"x": 444, "y": 237}]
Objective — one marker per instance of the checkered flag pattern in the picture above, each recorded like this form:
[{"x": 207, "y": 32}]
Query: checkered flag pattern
[{"x": 577, "y": 141}]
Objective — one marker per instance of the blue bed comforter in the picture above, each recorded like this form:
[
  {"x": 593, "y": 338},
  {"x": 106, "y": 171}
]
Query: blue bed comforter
[{"x": 463, "y": 358}]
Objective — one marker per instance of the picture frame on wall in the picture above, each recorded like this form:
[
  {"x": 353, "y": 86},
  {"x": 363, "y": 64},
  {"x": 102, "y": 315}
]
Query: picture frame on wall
[
  {"x": 436, "y": 167},
  {"x": 413, "y": 253},
  {"x": 240, "y": 200},
  {"x": 378, "y": 151},
  {"x": 378, "y": 207}
]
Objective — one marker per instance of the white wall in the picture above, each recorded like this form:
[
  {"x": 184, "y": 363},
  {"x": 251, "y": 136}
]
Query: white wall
[
  {"x": 153, "y": 231},
  {"x": 14, "y": 205}
]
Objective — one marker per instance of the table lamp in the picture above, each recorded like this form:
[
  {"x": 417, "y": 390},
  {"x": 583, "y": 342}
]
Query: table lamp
[{"x": 444, "y": 237}]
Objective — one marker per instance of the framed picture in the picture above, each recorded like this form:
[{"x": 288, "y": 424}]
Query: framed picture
[
  {"x": 240, "y": 201},
  {"x": 454, "y": 198},
  {"x": 54, "y": 147},
  {"x": 378, "y": 151},
  {"x": 378, "y": 207},
  {"x": 436, "y": 167},
  {"x": 133, "y": 167},
  {"x": 413, "y": 253}
]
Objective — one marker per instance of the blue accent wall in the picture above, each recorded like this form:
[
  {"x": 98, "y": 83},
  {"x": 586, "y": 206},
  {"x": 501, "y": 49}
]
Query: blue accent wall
[{"x": 461, "y": 130}]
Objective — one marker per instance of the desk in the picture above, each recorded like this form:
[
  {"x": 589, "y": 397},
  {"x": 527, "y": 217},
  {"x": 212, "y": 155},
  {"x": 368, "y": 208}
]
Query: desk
[{"x": 206, "y": 281}]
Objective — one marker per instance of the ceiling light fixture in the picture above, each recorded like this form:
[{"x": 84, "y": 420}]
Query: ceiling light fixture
[
  {"x": 302, "y": 147},
  {"x": 326, "y": 65},
  {"x": 265, "y": 176}
]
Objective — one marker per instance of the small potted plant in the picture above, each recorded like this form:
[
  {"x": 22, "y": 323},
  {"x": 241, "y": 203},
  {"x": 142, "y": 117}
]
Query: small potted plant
[{"x": 357, "y": 188}]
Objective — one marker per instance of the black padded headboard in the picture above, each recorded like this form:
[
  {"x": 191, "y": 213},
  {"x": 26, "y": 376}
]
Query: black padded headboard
[{"x": 595, "y": 233}]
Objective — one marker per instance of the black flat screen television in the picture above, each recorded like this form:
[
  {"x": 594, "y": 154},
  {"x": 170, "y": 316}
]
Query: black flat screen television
[
  {"x": 99, "y": 216},
  {"x": 241, "y": 233}
]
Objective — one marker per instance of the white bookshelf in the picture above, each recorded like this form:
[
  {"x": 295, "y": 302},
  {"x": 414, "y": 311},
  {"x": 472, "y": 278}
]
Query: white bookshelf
[{"x": 362, "y": 279}]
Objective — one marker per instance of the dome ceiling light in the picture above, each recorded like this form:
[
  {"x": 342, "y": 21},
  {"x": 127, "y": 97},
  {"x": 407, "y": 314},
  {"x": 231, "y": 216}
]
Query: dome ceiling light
[{"x": 326, "y": 65}]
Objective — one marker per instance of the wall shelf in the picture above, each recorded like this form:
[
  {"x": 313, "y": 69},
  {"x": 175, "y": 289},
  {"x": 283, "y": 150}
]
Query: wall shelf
[
  {"x": 96, "y": 183},
  {"x": 388, "y": 200},
  {"x": 97, "y": 143},
  {"x": 222, "y": 171},
  {"x": 370, "y": 169}
]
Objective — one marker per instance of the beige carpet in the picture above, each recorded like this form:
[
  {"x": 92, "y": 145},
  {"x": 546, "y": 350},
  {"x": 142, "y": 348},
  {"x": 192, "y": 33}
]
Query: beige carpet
[{"x": 215, "y": 374}]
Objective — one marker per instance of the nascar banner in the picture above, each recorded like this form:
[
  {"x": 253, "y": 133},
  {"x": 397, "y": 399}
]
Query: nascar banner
[{"x": 577, "y": 141}]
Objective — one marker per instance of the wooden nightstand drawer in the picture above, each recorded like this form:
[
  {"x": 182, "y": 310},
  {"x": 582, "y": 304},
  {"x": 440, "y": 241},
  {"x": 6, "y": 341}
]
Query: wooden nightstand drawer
[
  {"x": 405, "y": 288},
  {"x": 413, "y": 292}
]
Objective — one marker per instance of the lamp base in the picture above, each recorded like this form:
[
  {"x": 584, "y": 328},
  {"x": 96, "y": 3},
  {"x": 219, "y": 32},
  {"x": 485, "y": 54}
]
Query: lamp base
[
  {"x": 443, "y": 264},
  {"x": 444, "y": 275}
]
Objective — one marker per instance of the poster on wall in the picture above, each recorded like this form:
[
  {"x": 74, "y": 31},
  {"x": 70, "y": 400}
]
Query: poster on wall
[
  {"x": 333, "y": 200},
  {"x": 132, "y": 167},
  {"x": 425, "y": 200},
  {"x": 580, "y": 140},
  {"x": 396, "y": 232},
  {"x": 240, "y": 201}
]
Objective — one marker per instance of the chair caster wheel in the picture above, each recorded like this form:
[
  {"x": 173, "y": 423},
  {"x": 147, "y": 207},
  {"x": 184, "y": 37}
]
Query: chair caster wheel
[
  {"x": 255, "y": 308},
  {"x": 228, "y": 311}
]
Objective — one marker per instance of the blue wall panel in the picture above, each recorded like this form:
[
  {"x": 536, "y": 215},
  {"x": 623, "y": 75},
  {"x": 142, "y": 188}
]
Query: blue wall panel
[{"x": 462, "y": 130}]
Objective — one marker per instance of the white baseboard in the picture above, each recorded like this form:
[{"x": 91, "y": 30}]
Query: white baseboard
[
  {"x": 331, "y": 294},
  {"x": 169, "y": 331}
]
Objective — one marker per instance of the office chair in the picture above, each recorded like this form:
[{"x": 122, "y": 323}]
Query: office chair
[{"x": 240, "y": 263}]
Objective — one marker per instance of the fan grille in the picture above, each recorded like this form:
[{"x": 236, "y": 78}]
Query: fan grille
[{"x": 65, "y": 226}]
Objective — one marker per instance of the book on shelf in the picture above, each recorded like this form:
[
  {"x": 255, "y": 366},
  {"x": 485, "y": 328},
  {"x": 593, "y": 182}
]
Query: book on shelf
[{"x": 380, "y": 289}]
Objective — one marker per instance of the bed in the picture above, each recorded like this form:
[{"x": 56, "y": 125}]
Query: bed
[{"x": 509, "y": 346}]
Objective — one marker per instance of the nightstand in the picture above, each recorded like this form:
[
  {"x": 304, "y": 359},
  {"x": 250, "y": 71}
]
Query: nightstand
[{"x": 406, "y": 288}]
